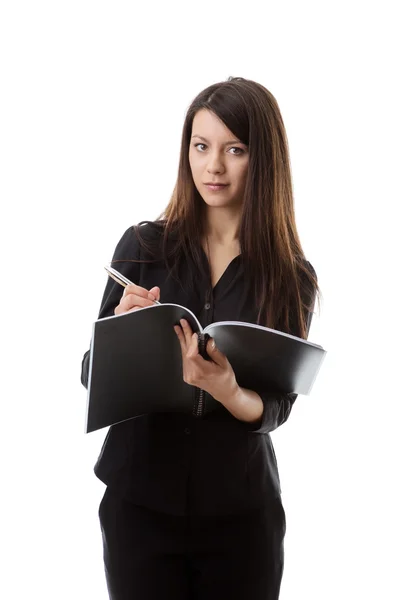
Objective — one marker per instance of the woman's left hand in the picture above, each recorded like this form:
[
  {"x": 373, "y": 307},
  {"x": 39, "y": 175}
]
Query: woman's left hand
[{"x": 215, "y": 376}]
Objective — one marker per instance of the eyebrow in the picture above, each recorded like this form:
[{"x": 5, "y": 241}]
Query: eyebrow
[{"x": 226, "y": 143}]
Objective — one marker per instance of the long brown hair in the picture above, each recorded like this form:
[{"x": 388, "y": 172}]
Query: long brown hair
[{"x": 280, "y": 279}]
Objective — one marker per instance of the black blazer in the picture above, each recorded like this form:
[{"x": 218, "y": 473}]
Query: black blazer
[{"x": 177, "y": 463}]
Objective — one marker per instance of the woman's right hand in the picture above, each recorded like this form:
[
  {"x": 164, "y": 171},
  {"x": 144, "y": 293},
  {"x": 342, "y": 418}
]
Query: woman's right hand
[{"x": 135, "y": 297}]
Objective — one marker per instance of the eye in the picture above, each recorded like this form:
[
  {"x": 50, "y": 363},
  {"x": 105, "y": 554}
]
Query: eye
[
  {"x": 241, "y": 151},
  {"x": 238, "y": 152}
]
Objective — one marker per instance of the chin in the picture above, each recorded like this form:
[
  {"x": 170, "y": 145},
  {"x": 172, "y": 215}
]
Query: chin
[
  {"x": 213, "y": 200},
  {"x": 219, "y": 202}
]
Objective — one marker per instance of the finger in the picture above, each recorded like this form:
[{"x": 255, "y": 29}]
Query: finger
[
  {"x": 181, "y": 338},
  {"x": 134, "y": 308},
  {"x": 187, "y": 330},
  {"x": 214, "y": 353},
  {"x": 133, "y": 300},
  {"x": 193, "y": 348},
  {"x": 156, "y": 292},
  {"x": 137, "y": 290},
  {"x": 124, "y": 308}
]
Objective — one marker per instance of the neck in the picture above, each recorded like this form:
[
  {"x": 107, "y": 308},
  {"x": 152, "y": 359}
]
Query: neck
[{"x": 222, "y": 226}]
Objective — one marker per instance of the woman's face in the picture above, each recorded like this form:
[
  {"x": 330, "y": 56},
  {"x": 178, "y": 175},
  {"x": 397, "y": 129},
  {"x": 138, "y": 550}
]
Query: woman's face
[{"x": 217, "y": 156}]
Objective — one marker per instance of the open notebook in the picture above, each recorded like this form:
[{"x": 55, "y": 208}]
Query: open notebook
[{"x": 136, "y": 365}]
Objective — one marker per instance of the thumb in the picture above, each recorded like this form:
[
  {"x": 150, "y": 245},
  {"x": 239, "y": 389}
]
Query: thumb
[
  {"x": 156, "y": 292},
  {"x": 214, "y": 353}
]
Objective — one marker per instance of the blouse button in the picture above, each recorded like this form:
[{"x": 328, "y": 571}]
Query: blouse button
[
  {"x": 187, "y": 430},
  {"x": 207, "y": 306}
]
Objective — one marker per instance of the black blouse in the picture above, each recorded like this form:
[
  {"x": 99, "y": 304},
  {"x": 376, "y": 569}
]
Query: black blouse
[{"x": 178, "y": 463}]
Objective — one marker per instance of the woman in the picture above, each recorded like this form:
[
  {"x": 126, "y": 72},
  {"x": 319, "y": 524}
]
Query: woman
[{"x": 192, "y": 507}]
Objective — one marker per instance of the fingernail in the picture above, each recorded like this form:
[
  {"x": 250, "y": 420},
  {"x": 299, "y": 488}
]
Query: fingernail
[
  {"x": 151, "y": 297},
  {"x": 213, "y": 345}
]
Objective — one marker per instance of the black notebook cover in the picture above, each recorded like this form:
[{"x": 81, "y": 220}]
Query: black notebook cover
[{"x": 136, "y": 365}]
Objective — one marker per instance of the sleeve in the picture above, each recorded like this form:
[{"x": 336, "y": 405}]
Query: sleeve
[
  {"x": 277, "y": 407},
  {"x": 127, "y": 248}
]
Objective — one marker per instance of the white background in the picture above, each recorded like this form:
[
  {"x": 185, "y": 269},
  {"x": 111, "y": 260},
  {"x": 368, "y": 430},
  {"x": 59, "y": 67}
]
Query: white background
[{"x": 93, "y": 98}]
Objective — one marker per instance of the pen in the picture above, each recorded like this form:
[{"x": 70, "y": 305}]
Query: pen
[{"x": 121, "y": 279}]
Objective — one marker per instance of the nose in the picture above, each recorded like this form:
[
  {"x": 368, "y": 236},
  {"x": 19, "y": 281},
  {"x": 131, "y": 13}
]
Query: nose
[{"x": 215, "y": 164}]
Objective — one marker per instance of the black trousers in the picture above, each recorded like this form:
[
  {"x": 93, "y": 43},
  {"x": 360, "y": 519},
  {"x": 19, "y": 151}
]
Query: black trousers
[{"x": 155, "y": 556}]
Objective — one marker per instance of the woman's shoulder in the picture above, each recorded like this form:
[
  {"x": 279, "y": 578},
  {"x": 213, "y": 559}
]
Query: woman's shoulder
[
  {"x": 147, "y": 231},
  {"x": 308, "y": 279},
  {"x": 311, "y": 268},
  {"x": 306, "y": 266},
  {"x": 150, "y": 230},
  {"x": 146, "y": 237}
]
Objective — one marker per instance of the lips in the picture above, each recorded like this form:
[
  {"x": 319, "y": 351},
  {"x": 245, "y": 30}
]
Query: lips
[{"x": 216, "y": 186}]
